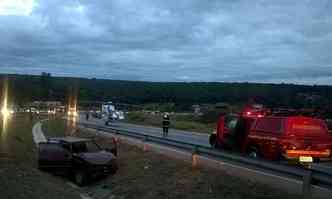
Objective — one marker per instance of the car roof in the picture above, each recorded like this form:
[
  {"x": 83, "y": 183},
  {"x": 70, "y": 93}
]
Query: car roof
[{"x": 69, "y": 139}]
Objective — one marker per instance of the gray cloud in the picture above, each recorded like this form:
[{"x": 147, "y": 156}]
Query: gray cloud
[{"x": 187, "y": 40}]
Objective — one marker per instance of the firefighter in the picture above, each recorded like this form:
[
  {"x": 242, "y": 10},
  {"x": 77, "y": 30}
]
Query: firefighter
[
  {"x": 166, "y": 123},
  {"x": 87, "y": 116}
]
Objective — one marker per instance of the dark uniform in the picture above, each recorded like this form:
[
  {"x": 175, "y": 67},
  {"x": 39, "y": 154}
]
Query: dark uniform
[
  {"x": 166, "y": 123},
  {"x": 87, "y": 116}
]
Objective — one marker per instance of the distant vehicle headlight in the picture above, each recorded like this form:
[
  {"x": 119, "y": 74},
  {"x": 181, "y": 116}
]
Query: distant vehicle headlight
[
  {"x": 72, "y": 113},
  {"x": 5, "y": 112}
]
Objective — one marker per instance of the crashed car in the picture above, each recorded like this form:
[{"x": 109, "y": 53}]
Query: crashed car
[{"x": 79, "y": 158}]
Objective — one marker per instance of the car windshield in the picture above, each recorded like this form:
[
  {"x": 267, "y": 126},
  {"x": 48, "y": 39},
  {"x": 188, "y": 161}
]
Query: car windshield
[{"x": 85, "y": 147}]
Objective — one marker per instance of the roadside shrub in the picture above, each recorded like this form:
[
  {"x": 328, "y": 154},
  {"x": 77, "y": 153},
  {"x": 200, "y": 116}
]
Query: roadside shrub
[
  {"x": 136, "y": 116},
  {"x": 209, "y": 117}
]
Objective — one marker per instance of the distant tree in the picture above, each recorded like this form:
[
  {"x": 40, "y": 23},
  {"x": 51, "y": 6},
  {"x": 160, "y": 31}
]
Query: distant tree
[
  {"x": 178, "y": 96},
  {"x": 46, "y": 86}
]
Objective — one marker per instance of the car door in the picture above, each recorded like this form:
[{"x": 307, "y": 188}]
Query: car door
[
  {"x": 54, "y": 156},
  {"x": 266, "y": 135}
]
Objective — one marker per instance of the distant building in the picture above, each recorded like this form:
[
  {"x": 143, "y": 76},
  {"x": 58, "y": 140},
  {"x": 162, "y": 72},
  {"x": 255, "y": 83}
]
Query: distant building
[{"x": 46, "y": 103}]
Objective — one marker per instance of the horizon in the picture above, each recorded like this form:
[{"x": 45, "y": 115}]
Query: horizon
[{"x": 221, "y": 82}]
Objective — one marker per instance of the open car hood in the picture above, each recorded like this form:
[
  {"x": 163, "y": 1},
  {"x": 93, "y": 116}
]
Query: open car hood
[{"x": 97, "y": 158}]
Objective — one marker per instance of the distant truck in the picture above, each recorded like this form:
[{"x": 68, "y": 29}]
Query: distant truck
[
  {"x": 110, "y": 114},
  {"x": 303, "y": 139},
  {"x": 80, "y": 158}
]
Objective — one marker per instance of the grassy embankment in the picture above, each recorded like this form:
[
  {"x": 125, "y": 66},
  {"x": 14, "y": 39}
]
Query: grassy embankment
[
  {"x": 19, "y": 176},
  {"x": 181, "y": 122},
  {"x": 150, "y": 175}
]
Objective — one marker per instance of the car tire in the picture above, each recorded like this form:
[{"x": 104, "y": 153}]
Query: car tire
[
  {"x": 106, "y": 123},
  {"x": 80, "y": 178},
  {"x": 213, "y": 140},
  {"x": 39, "y": 167}
]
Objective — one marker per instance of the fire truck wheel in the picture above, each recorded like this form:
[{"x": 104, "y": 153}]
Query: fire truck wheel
[{"x": 253, "y": 152}]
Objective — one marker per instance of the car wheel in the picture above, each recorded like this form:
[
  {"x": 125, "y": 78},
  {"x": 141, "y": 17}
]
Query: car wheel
[
  {"x": 80, "y": 178},
  {"x": 213, "y": 140},
  {"x": 39, "y": 167},
  {"x": 106, "y": 123}
]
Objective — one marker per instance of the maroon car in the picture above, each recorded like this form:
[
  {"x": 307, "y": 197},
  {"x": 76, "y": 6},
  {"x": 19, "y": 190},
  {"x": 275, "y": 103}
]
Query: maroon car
[{"x": 80, "y": 158}]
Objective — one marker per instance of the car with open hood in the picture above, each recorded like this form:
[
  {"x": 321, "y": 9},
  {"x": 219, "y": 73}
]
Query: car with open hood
[{"x": 79, "y": 158}]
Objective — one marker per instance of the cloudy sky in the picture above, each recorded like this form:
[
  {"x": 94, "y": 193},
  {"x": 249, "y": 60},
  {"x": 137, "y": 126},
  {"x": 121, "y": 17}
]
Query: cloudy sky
[{"x": 166, "y": 40}]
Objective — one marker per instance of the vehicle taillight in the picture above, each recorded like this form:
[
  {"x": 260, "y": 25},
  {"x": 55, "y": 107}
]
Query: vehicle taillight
[{"x": 288, "y": 146}]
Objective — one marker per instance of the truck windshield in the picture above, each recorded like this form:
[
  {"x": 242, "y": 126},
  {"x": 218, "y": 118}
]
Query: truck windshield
[{"x": 85, "y": 147}]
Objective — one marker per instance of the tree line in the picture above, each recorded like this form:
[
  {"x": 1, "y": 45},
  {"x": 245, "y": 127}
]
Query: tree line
[{"x": 27, "y": 88}]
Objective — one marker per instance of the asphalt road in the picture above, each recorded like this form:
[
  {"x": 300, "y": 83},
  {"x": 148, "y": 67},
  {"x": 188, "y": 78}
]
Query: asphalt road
[
  {"x": 173, "y": 134},
  {"x": 179, "y": 135}
]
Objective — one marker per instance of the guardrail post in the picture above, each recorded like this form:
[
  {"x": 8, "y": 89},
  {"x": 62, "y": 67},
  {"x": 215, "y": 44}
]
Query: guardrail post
[
  {"x": 194, "y": 157},
  {"x": 145, "y": 147},
  {"x": 306, "y": 187}
]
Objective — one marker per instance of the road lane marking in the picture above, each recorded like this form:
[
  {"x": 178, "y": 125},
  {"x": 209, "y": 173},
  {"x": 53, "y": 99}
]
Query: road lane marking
[{"x": 37, "y": 133}]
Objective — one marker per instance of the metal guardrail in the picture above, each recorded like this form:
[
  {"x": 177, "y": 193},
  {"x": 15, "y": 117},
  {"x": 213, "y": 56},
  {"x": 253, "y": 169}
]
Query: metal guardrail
[{"x": 314, "y": 175}]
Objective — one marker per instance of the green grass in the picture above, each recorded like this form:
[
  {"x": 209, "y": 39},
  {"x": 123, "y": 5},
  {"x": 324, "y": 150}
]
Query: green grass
[
  {"x": 57, "y": 127},
  {"x": 19, "y": 176},
  {"x": 150, "y": 175},
  {"x": 181, "y": 122}
]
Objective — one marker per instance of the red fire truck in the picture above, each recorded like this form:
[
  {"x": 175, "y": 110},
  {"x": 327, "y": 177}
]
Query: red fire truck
[{"x": 256, "y": 133}]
